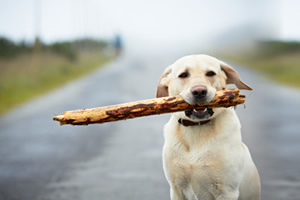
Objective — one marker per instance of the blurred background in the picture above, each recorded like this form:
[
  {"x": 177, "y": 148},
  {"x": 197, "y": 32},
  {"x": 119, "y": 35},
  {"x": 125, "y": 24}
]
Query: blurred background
[{"x": 69, "y": 54}]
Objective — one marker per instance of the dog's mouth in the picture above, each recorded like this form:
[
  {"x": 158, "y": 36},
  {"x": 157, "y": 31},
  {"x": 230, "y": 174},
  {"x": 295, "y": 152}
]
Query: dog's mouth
[{"x": 199, "y": 114}]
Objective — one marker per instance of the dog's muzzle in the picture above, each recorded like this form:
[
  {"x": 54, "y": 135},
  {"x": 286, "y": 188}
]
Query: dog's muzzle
[{"x": 199, "y": 93}]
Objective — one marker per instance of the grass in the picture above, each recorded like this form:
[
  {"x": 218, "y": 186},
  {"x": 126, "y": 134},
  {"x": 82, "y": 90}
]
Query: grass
[
  {"x": 279, "y": 61},
  {"x": 30, "y": 75}
]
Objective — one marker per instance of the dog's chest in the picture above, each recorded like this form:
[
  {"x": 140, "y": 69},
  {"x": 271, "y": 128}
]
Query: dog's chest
[{"x": 196, "y": 168}]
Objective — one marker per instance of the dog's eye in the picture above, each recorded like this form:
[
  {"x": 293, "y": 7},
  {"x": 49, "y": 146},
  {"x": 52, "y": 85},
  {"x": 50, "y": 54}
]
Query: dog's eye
[
  {"x": 183, "y": 75},
  {"x": 210, "y": 73}
]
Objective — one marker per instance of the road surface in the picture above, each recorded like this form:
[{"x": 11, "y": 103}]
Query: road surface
[{"x": 40, "y": 160}]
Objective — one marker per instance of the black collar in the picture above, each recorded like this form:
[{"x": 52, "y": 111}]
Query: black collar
[{"x": 186, "y": 122}]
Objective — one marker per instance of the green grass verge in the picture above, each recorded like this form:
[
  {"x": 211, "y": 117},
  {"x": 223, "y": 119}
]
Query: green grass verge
[
  {"x": 30, "y": 75},
  {"x": 279, "y": 61}
]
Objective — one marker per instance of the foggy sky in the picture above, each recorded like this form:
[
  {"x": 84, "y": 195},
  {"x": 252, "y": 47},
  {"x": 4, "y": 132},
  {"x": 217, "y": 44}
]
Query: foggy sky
[{"x": 148, "y": 21}]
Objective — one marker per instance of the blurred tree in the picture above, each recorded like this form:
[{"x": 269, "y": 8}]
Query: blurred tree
[
  {"x": 68, "y": 49},
  {"x": 275, "y": 48},
  {"x": 9, "y": 49},
  {"x": 65, "y": 49},
  {"x": 37, "y": 45}
]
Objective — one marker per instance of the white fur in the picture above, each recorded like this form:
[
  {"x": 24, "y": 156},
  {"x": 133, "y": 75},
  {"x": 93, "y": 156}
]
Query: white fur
[{"x": 208, "y": 161}]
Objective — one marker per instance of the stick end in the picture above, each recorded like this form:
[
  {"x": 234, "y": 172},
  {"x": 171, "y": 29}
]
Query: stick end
[{"x": 60, "y": 118}]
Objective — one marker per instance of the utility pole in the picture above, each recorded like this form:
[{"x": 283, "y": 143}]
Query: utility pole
[{"x": 37, "y": 20}]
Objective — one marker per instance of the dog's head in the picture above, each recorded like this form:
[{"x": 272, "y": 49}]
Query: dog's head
[{"x": 197, "y": 78}]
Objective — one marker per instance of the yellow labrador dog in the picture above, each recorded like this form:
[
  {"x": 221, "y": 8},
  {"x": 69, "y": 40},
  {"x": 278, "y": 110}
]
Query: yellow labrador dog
[{"x": 203, "y": 155}]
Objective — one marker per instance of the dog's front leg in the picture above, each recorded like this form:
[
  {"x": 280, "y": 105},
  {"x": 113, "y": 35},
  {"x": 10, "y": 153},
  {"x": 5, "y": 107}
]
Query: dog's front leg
[
  {"x": 177, "y": 194},
  {"x": 229, "y": 196}
]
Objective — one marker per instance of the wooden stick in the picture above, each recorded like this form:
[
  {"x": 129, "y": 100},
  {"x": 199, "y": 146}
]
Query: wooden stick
[{"x": 224, "y": 98}]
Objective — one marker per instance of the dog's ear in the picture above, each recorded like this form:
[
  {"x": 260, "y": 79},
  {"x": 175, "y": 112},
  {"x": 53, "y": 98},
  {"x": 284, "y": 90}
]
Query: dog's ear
[
  {"x": 162, "y": 87},
  {"x": 233, "y": 77}
]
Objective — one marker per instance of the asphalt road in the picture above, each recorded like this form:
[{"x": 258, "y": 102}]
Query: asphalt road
[{"x": 40, "y": 160}]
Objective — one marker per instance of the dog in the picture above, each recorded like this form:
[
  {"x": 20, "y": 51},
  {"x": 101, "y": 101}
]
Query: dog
[{"x": 204, "y": 157}]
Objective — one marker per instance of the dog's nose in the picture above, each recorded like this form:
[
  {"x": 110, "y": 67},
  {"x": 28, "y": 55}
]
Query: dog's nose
[{"x": 199, "y": 91}]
